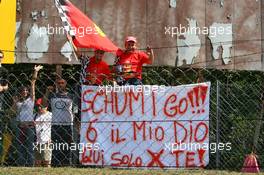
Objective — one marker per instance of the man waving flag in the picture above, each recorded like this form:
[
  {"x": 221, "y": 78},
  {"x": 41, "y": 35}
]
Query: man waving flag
[{"x": 86, "y": 33}]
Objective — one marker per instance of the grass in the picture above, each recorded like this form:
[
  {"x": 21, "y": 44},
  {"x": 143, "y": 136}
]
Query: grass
[{"x": 105, "y": 171}]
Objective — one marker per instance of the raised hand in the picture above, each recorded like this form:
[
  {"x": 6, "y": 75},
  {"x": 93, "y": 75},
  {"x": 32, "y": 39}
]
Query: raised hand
[
  {"x": 38, "y": 68},
  {"x": 149, "y": 50}
]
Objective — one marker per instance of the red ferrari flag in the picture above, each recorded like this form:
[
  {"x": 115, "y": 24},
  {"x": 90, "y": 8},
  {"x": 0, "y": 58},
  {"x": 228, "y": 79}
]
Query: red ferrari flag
[{"x": 86, "y": 33}]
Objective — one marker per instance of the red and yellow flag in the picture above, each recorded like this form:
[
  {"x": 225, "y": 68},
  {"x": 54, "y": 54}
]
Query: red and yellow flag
[{"x": 87, "y": 33}]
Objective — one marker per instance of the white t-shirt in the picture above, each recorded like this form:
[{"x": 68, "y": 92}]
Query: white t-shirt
[
  {"x": 43, "y": 127},
  {"x": 25, "y": 110}
]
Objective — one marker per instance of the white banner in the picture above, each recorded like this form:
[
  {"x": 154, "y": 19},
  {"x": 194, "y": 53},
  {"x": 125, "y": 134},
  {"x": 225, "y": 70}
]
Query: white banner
[{"x": 145, "y": 126}]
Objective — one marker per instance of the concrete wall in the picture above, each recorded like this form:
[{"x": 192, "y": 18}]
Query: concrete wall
[{"x": 236, "y": 45}]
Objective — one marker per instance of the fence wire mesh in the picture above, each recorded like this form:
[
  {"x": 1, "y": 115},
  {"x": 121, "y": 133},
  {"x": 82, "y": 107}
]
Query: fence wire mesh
[{"x": 236, "y": 113}]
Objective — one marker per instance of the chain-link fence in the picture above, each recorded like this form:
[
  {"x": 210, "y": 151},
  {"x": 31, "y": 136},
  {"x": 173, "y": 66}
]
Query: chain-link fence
[{"x": 235, "y": 116}]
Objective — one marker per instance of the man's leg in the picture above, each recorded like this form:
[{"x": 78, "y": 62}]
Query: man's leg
[
  {"x": 67, "y": 139},
  {"x": 21, "y": 160},
  {"x": 76, "y": 140},
  {"x": 55, "y": 160},
  {"x": 30, "y": 137}
]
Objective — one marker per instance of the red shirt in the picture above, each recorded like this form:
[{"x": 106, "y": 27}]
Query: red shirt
[
  {"x": 97, "y": 72},
  {"x": 132, "y": 63}
]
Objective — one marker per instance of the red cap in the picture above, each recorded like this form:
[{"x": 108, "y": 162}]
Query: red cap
[
  {"x": 131, "y": 38},
  {"x": 39, "y": 102}
]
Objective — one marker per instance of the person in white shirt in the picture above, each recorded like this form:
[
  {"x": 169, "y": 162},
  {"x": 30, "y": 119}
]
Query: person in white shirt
[
  {"x": 23, "y": 105},
  {"x": 43, "y": 132}
]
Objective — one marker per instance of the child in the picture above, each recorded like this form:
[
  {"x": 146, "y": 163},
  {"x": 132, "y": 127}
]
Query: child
[{"x": 43, "y": 132}]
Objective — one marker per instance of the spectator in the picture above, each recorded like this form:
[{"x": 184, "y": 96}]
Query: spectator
[
  {"x": 3, "y": 89},
  {"x": 97, "y": 71},
  {"x": 129, "y": 62},
  {"x": 62, "y": 105},
  {"x": 43, "y": 132},
  {"x": 24, "y": 105},
  {"x": 94, "y": 71},
  {"x": 3, "y": 76}
]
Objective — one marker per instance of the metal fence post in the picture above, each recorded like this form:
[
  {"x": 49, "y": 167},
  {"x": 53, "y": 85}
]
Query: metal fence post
[
  {"x": 217, "y": 121},
  {"x": 258, "y": 126}
]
